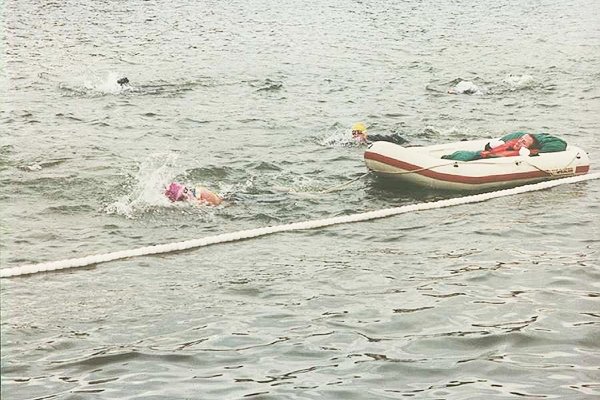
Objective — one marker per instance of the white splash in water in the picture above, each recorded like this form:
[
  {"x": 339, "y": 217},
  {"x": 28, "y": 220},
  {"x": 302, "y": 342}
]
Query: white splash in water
[
  {"x": 92, "y": 85},
  {"x": 33, "y": 167},
  {"x": 465, "y": 87},
  {"x": 519, "y": 82},
  {"x": 229, "y": 190},
  {"x": 107, "y": 84},
  {"x": 338, "y": 138},
  {"x": 148, "y": 188}
]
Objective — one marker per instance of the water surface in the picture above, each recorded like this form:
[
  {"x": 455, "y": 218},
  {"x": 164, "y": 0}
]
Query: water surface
[{"x": 255, "y": 100}]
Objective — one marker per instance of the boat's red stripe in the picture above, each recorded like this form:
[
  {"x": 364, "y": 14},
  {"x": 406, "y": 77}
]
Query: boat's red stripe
[{"x": 582, "y": 169}]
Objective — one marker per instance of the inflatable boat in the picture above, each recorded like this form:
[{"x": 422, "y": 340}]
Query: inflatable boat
[{"x": 425, "y": 167}]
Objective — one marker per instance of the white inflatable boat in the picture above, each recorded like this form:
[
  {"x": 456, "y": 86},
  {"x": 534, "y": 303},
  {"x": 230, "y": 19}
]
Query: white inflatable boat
[{"x": 423, "y": 166}]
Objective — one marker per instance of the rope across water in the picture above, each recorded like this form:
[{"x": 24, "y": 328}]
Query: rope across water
[{"x": 251, "y": 233}]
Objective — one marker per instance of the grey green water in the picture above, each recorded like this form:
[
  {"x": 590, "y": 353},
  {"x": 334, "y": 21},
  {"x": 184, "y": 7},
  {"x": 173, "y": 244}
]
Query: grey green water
[{"x": 255, "y": 99}]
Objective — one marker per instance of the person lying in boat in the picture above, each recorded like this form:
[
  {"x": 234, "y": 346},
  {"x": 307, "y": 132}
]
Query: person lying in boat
[
  {"x": 514, "y": 144},
  {"x": 359, "y": 134},
  {"x": 179, "y": 192}
]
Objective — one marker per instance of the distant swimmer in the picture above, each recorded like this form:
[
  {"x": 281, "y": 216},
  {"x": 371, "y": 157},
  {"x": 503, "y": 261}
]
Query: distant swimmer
[
  {"x": 359, "y": 134},
  {"x": 465, "y": 87},
  {"x": 123, "y": 81},
  {"x": 179, "y": 192}
]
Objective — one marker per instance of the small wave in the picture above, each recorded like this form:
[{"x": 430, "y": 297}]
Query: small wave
[
  {"x": 165, "y": 89},
  {"x": 193, "y": 122},
  {"x": 69, "y": 116},
  {"x": 434, "y": 134},
  {"x": 266, "y": 85},
  {"x": 39, "y": 165},
  {"x": 250, "y": 120},
  {"x": 6, "y": 149},
  {"x": 266, "y": 166},
  {"x": 411, "y": 310},
  {"x": 303, "y": 185},
  {"x": 69, "y": 209},
  {"x": 31, "y": 167}
]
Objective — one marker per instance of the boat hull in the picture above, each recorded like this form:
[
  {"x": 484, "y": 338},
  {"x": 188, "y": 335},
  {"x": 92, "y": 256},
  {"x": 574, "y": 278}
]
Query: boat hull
[{"x": 423, "y": 166}]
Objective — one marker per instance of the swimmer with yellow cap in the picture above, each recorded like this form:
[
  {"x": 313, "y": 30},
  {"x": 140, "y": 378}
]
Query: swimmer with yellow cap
[{"x": 359, "y": 134}]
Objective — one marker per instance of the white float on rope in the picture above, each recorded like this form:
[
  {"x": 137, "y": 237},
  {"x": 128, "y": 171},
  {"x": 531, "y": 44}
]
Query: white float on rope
[{"x": 251, "y": 233}]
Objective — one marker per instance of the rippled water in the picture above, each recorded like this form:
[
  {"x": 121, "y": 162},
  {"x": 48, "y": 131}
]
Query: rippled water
[{"x": 255, "y": 99}]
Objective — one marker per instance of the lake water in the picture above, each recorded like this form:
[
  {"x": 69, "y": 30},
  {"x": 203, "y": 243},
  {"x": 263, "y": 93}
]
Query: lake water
[{"x": 255, "y": 99}]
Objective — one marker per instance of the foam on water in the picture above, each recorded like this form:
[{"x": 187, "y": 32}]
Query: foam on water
[
  {"x": 147, "y": 188},
  {"x": 93, "y": 85},
  {"x": 520, "y": 82},
  {"x": 466, "y": 87},
  {"x": 339, "y": 137}
]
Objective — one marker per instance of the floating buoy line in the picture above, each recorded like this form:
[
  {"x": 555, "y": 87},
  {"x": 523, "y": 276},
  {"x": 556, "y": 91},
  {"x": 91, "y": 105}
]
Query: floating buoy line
[{"x": 304, "y": 225}]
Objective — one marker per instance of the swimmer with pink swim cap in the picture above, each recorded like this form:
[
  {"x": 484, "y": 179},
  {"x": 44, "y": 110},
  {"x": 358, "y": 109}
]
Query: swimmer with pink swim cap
[{"x": 179, "y": 192}]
